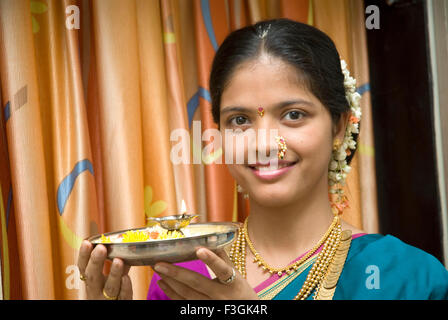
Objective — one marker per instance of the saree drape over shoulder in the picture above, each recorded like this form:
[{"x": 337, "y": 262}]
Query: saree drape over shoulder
[{"x": 377, "y": 267}]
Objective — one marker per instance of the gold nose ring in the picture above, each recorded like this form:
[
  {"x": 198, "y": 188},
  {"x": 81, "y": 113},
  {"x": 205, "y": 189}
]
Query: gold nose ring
[{"x": 281, "y": 142}]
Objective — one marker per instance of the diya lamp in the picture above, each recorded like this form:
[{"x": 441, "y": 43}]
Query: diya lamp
[{"x": 175, "y": 222}]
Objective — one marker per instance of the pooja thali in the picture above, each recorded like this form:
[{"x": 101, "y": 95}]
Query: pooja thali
[{"x": 162, "y": 242}]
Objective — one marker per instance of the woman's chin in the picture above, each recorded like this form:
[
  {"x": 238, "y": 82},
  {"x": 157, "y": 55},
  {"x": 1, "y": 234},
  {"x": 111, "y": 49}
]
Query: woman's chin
[{"x": 270, "y": 197}]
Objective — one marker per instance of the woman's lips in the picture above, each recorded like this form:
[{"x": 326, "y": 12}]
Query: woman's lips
[{"x": 267, "y": 172}]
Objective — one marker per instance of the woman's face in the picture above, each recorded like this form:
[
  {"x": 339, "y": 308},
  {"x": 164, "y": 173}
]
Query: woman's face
[{"x": 298, "y": 116}]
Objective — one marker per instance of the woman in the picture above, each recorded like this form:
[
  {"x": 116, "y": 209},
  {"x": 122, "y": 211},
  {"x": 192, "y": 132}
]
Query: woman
[{"x": 287, "y": 76}]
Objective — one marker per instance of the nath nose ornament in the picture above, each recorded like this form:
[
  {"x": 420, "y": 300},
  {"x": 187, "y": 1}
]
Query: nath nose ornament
[{"x": 281, "y": 142}]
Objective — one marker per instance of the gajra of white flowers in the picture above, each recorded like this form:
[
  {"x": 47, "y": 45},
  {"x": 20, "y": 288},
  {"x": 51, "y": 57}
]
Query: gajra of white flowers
[{"x": 338, "y": 168}]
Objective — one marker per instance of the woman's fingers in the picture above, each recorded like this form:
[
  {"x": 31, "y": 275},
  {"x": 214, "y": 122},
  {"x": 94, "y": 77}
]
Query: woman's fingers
[
  {"x": 181, "y": 289},
  {"x": 94, "y": 270},
  {"x": 188, "y": 277},
  {"x": 223, "y": 255},
  {"x": 91, "y": 264},
  {"x": 84, "y": 256},
  {"x": 219, "y": 266},
  {"x": 126, "y": 269},
  {"x": 182, "y": 283},
  {"x": 173, "y": 295},
  {"x": 126, "y": 292},
  {"x": 113, "y": 282}
]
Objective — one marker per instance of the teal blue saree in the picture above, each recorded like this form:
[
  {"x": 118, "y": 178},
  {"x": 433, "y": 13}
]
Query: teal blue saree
[{"x": 377, "y": 268}]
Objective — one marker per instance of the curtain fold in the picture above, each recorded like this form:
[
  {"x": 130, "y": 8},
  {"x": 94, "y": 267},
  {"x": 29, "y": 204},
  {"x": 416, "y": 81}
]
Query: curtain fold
[
  {"x": 120, "y": 117},
  {"x": 211, "y": 27},
  {"x": 366, "y": 150},
  {"x": 24, "y": 133},
  {"x": 177, "y": 113},
  {"x": 87, "y": 115}
]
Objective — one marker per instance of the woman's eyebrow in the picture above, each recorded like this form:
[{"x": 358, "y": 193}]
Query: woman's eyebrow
[
  {"x": 290, "y": 102},
  {"x": 235, "y": 109},
  {"x": 276, "y": 106}
]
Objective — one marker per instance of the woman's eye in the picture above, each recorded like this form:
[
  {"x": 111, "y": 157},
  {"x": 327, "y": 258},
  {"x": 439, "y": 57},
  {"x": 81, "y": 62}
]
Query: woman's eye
[
  {"x": 238, "y": 120},
  {"x": 294, "y": 115}
]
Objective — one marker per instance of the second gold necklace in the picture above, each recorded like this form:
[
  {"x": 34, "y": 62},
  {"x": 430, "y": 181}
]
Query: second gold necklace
[{"x": 330, "y": 242}]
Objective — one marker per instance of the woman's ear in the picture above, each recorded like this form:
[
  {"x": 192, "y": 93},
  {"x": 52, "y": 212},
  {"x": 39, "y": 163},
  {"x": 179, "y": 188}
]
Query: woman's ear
[{"x": 340, "y": 127}]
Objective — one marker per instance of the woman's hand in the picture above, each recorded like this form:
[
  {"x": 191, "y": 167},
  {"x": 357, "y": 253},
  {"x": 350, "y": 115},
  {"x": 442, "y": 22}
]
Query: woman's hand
[
  {"x": 117, "y": 285},
  {"x": 179, "y": 283}
]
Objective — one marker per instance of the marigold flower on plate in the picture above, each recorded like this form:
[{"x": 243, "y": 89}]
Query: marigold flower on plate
[
  {"x": 135, "y": 236},
  {"x": 105, "y": 239}
]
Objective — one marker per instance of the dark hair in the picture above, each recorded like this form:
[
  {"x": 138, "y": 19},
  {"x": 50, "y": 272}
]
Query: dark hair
[{"x": 308, "y": 49}]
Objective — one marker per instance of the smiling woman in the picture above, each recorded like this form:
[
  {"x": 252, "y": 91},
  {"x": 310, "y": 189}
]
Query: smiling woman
[{"x": 287, "y": 76}]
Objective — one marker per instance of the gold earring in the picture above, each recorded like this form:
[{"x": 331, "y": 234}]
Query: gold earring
[
  {"x": 241, "y": 190},
  {"x": 336, "y": 144}
]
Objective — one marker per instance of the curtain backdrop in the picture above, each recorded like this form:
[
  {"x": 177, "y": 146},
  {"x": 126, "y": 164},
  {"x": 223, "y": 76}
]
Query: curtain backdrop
[{"x": 87, "y": 111}]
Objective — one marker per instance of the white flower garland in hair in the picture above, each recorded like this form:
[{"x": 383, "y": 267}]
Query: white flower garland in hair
[{"x": 338, "y": 168}]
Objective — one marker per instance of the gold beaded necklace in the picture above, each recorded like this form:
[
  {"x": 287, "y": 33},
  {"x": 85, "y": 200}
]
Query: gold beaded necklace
[{"x": 330, "y": 241}]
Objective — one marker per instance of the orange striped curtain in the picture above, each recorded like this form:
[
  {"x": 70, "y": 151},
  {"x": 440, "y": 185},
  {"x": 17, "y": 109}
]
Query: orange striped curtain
[{"x": 91, "y": 92}]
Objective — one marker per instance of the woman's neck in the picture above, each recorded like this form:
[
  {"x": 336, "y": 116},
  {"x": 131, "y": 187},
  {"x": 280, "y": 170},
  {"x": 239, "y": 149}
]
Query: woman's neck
[{"x": 283, "y": 233}]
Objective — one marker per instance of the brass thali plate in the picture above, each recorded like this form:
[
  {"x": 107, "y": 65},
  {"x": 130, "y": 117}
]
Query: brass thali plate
[{"x": 212, "y": 235}]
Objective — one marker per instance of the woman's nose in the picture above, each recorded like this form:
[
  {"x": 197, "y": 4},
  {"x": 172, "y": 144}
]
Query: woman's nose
[{"x": 267, "y": 146}]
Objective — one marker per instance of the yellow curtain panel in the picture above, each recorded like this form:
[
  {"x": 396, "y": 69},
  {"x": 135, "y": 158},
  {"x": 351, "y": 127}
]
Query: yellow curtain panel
[{"x": 91, "y": 92}]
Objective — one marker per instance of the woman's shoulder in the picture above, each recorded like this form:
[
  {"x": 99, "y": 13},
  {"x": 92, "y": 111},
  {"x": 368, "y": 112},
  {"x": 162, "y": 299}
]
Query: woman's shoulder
[
  {"x": 384, "y": 267},
  {"x": 371, "y": 245}
]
